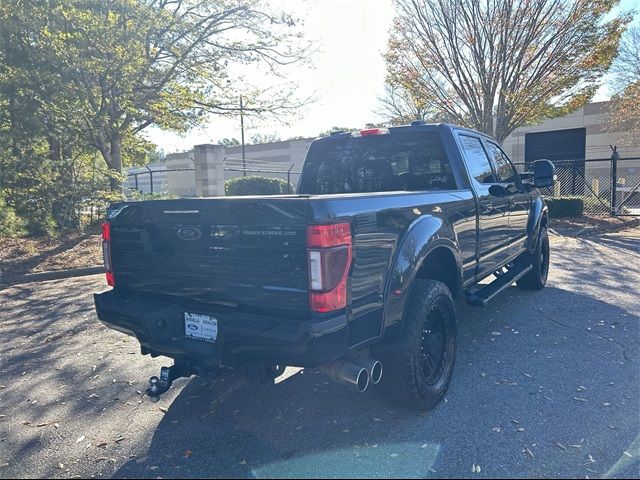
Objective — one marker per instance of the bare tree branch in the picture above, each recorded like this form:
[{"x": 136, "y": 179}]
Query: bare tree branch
[{"x": 499, "y": 64}]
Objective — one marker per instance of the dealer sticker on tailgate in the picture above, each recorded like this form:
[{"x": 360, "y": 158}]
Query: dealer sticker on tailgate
[{"x": 200, "y": 327}]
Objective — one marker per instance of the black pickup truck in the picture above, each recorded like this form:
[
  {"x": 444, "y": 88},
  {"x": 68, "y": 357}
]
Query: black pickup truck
[{"x": 354, "y": 274}]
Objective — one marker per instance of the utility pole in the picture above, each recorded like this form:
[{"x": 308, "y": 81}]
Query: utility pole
[{"x": 244, "y": 165}]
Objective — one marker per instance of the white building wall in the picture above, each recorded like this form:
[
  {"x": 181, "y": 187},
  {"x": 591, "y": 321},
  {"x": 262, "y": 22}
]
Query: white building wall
[
  {"x": 592, "y": 117},
  {"x": 144, "y": 178},
  {"x": 181, "y": 180}
]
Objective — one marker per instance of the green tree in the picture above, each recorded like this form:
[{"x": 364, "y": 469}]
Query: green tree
[
  {"x": 497, "y": 65},
  {"x": 328, "y": 132},
  {"x": 229, "y": 142},
  {"x": 123, "y": 65},
  {"x": 258, "y": 138}
]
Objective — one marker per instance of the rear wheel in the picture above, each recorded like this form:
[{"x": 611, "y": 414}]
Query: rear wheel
[
  {"x": 536, "y": 279},
  {"x": 418, "y": 369}
]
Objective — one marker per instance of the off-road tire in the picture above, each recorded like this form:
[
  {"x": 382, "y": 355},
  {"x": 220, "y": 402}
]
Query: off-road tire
[
  {"x": 409, "y": 376},
  {"x": 536, "y": 279}
]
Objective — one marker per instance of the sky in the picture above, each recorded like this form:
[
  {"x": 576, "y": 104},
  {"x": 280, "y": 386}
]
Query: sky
[{"x": 346, "y": 79}]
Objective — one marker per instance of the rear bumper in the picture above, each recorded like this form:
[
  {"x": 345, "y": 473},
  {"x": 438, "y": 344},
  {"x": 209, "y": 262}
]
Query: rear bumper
[{"x": 242, "y": 339}]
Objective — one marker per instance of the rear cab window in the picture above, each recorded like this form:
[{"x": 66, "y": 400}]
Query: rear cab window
[{"x": 397, "y": 161}]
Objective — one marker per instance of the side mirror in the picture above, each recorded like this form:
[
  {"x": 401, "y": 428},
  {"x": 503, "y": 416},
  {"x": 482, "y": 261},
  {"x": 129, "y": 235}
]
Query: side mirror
[
  {"x": 544, "y": 173},
  {"x": 498, "y": 191}
]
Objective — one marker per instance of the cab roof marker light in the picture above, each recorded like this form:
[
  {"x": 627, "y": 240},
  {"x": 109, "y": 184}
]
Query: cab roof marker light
[{"x": 370, "y": 131}]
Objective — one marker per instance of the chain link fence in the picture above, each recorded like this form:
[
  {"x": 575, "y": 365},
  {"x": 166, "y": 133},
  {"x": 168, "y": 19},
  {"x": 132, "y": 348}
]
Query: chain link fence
[
  {"x": 627, "y": 192},
  {"x": 148, "y": 183},
  {"x": 592, "y": 180}
]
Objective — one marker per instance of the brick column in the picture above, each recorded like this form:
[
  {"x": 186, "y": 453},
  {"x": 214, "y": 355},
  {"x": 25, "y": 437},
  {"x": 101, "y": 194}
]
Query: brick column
[{"x": 209, "y": 172}]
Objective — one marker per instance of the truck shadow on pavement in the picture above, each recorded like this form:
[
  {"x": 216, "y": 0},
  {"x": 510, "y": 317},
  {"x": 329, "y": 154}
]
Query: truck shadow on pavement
[{"x": 549, "y": 388}]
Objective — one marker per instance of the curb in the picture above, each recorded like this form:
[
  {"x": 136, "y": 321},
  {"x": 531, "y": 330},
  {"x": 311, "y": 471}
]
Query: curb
[
  {"x": 8, "y": 280},
  {"x": 575, "y": 232}
]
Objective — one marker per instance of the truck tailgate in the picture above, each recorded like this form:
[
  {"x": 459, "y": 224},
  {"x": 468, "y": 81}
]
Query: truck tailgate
[{"x": 241, "y": 253}]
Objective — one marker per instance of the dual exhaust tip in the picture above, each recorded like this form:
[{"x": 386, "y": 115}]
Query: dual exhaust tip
[{"x": 358, "y": 372}]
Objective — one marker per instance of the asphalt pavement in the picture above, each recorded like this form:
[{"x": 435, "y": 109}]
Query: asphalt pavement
[{"x": 547, "y": 384}]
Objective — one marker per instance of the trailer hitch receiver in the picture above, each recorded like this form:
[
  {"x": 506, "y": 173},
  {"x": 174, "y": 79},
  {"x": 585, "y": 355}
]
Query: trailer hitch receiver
[{"x": 157, "y": 386}]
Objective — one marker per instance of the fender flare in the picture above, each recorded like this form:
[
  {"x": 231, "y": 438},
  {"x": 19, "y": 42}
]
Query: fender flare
[
  {"x": 423, "y": 236},
  {"x": 538, "y": 216}
]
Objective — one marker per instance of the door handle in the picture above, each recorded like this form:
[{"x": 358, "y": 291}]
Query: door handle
[{"x": 486, "y": 206}]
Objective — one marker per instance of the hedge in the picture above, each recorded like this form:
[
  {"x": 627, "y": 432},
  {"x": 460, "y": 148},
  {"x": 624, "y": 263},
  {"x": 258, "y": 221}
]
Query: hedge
[
  {"x": 11, "y": 225},
  {"x": 255, "y": 185},
  {"x": 565, "y": 206}
]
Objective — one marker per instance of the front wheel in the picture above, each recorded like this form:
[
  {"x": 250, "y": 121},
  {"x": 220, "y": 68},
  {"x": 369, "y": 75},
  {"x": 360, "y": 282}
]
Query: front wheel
[
  {"x": 418, "y": 369},
  {"x": 536, "y": 279}
]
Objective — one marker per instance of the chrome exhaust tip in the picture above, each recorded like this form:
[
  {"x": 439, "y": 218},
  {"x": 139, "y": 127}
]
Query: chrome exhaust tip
[
  {"x": 348, "y": 373},
  {"x": 374, "y": 367}
]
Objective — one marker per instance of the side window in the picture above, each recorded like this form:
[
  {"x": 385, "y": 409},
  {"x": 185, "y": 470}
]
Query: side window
[
  {"x": 506, "y": 170},
  {"x": 477, "y": 160}
]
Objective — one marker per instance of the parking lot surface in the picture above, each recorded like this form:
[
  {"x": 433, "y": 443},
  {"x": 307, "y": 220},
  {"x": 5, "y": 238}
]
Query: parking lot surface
[{"x": 546, "y": 384}]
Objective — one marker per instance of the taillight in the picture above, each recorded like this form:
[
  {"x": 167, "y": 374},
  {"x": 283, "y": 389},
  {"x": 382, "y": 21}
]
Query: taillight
[
  {"x": 106, "y": 253},
  {"x": 329, "y": 254}
]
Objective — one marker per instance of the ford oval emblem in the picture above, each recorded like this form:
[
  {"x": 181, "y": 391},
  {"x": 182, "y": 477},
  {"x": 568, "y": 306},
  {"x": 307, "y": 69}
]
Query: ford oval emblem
[{"x": 189, "y": 233}]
